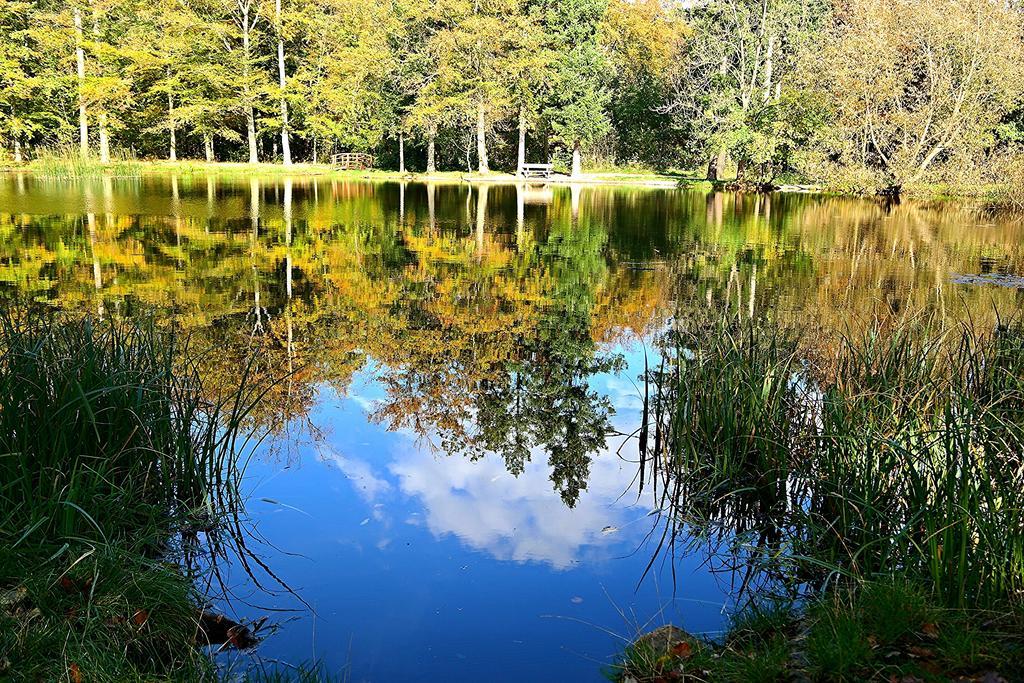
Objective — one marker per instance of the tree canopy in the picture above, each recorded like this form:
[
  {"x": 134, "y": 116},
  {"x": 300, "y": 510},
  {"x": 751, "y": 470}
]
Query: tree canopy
[{"x": 883, "y": 93}]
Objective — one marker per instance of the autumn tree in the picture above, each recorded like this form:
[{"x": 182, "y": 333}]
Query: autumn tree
[
  {"x": 911, "y": 85},
  {"x": 645, "y": 40}
]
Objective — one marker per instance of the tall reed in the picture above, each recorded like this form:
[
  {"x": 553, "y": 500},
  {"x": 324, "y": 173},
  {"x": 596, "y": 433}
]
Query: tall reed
[
  {"x": 105, "y": 430},
  {"x": 67, "y": 163},
  {"x": 114, "y": 460},
  {"x": 897, "y": 451}
]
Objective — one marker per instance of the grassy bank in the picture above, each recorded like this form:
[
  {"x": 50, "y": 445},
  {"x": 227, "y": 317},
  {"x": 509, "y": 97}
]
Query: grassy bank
[
  {"x": 821, "y": 466},
  {"x": 883, "y": 630},
  {"x": 68, "y": 165},
  {"x": 117, "y": 467}
]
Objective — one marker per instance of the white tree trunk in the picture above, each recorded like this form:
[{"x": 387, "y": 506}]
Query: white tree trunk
[
  {"x": 521, "y": 159},
  {"x": 83, "y": 119},
  {"x": 286, "y": 148},
  {"x": 104, "y": 133},
  {"x": 17, "y": 149},
  {"x": 431, "y": 135},
  {"x": 250, "y": 116},
  {"x": 104, "y": 140},
  {"x": 401, "y": 152},
  {"x": 768, "y": 65},
  {"x": 577, "y": 160},
  {"x": 481, "y": 139},
  {"x": 170, "y": 122},
  {"x": 250, "y": 124},
  {"x": 208, "y": 146}
]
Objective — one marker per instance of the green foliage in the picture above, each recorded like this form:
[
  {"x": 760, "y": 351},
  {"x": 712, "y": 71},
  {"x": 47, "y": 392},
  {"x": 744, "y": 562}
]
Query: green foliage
[{"x": 866, "y": 96}]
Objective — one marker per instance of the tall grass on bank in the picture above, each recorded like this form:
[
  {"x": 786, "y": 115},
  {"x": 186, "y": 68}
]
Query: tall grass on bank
[
  {"x": 67, "y": 163},
  {"x": 895, "y": 452},
  {"x": 112, "y": 460}
]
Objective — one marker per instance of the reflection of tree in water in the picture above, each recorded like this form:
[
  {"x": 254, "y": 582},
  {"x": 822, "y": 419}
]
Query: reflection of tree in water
[
  {"x": 519, "y": 385},
  {"x": 483, "y": 336},
  {"x": 544, "y": 400}
]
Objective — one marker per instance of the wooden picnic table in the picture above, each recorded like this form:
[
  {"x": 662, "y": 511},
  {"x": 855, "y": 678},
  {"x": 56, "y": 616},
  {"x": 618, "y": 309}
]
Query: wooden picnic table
[{"x": 537, "y": 170}]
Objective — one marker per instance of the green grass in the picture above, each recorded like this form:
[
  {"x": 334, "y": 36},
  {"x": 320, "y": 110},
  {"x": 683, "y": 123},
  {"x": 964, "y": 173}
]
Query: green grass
[
  {"x": 876, "y": 476},
  {"x": 114, "y": 461},
  {"x": 876, "y": 630}
]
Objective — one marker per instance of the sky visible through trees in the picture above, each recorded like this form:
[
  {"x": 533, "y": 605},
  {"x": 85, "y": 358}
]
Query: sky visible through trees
[{"x": 857, "y": 93}]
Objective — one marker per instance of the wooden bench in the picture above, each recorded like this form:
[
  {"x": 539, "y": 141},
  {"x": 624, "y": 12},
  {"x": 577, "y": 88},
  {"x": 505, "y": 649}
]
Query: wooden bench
[
  {"x": 537, "y": 170},
  {"x": 352, "y": 161}
]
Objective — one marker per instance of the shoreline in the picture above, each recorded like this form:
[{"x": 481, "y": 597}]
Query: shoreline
[
  {"x": 227, "y": 168},
  {"x": 648, "y": 179}
]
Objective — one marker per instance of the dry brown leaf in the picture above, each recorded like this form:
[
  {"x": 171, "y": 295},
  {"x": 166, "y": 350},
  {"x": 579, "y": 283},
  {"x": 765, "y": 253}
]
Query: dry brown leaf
[{"x": 683, "y": 650}]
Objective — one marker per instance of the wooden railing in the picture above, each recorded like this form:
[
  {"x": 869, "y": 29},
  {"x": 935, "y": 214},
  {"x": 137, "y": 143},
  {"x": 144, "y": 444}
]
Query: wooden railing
[{"x": 352, "y": 161}]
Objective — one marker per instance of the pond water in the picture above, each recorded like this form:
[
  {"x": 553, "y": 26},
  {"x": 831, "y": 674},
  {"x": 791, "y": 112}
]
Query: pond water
[{"x": 450, "y": 490}]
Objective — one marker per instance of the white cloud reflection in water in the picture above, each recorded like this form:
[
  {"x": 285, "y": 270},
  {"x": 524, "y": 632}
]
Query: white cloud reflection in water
[{"x": 520, "y": 519}]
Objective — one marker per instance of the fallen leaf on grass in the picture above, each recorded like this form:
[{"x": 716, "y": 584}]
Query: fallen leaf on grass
[
  {"x": 140, "y": 617},
  {"x": 74, "y": 673},
  {"x": 930, "y": 630},
  {"x": 682, "y": 650}
]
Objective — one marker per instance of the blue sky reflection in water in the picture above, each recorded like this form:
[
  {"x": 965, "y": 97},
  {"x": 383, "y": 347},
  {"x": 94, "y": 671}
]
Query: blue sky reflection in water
[
  {"x": 436, "y": 567},
  {"x": 448, "y": 337}
]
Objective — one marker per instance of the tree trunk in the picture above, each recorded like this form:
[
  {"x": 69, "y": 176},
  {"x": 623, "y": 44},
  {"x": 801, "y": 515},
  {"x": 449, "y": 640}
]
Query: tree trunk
[
  {"x": 401, "y": 152},
  {"x": 250, "y": 122},
  {"x": 104, "y": 139},
  {"x": 173, "y": 155},
  {"x": 104, "y": 133},
  {"x": 83, "y": 119},
  {"x": 716, "y": 166},
  {"x": 768, "y": 69},
  {"x": 521, "y": 159},
  {"x": 208, "y": 145},
  {"x": 431, "y": 135},
  {"x": 481, "y": 139},
  {"x": 17, "y": 149},
  {"x": 286, "y": 148},
  {"x": 577, "y": 160},
  {"x": 250, "y": 116}
]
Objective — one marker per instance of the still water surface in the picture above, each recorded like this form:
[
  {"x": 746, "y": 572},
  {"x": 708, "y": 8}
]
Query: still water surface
[{"x": 450, "y": 490}]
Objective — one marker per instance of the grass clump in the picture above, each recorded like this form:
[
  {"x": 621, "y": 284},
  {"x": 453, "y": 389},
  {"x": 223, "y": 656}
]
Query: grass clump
[
  {"x": 115, "y": 462},
  {"x": 66, "y": 163},
  {"x": 877, "y": 480}
]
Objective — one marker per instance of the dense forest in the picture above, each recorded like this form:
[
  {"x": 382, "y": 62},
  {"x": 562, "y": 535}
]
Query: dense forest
[{"x": 859, "y": 94}]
